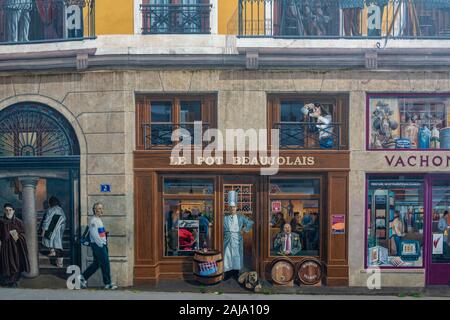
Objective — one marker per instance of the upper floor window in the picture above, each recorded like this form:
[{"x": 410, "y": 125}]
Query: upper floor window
[
  {"x": 39, "y": 20},
  {"x": 310, "y": 122},
  {"x": 176, "y": 16},
  {"x": 345, "y": 18},
  {"x": 409, "y": 121},
  {"x": 159, "y": 116}
]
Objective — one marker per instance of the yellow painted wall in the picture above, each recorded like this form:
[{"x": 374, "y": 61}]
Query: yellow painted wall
[
  {"x": 228, "y": 16},
  {"x": 114, "y": 17}
]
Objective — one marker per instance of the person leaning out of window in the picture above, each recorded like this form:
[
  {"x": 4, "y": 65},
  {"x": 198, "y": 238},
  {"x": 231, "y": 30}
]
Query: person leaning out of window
[{"x": 323, "y": 124}]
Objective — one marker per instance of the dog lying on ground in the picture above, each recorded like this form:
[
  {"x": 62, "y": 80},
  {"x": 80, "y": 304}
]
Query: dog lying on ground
[{"x": 250, "y": 281}]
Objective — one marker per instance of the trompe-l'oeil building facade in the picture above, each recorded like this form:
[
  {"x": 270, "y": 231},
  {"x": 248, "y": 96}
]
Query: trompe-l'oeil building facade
[{"x": 89, "y": 102}]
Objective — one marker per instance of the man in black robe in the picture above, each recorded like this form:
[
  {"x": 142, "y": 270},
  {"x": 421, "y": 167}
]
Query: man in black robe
[{"x": 13, "y": 248}]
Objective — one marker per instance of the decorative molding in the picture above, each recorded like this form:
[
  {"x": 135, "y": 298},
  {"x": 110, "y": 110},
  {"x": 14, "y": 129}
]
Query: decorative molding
[
  {"x": 82, "y": 61},
  {"x": 371, "y": 58},
  {"x": 252, "y": 60},
  {"x": 241, "y": 58}
]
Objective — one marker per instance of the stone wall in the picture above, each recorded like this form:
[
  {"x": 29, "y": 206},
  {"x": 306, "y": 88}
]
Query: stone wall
[{"x": 100, "y": 105}]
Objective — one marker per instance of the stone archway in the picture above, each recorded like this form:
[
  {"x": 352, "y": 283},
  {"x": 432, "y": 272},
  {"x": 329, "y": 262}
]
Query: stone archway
[{"x": 34, "y": 138}]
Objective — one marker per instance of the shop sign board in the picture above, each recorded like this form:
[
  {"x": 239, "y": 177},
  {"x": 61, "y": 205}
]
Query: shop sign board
[{"x": 417, "y": 161}]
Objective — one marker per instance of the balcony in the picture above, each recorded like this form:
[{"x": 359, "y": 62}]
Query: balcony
[
  {"x": 28, "y": 21},
  {"x": 401, "y": 19},
  {"x": 307, "y": 135},
  {"x": 181, "y": 18}
]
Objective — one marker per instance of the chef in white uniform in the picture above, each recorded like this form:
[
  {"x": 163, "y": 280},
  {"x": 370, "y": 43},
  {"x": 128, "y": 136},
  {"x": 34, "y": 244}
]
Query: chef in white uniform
[{"x": 234, "y": 225}]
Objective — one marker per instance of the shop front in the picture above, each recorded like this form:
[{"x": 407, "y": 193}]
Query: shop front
[
  {"x": 406, "y": 201},
  {"x": 407, "y": 224},
  {"x": 180, "y": 205},
  {"x": 179, "y": 213}
]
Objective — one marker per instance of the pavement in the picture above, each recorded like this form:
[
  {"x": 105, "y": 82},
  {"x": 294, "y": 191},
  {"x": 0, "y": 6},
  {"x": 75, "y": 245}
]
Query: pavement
[
  {"x": 56, "y": 289},
  {"x": 91, "y": 294}
]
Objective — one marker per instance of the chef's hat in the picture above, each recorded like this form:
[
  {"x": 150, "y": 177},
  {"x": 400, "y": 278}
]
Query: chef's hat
[{"x": 232, "y": 198}]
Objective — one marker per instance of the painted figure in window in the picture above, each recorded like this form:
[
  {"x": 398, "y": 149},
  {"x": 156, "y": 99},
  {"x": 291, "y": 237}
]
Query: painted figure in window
[
  {"x": 424, "y": 137},
  {"x": 50, "y": 16},
  {"x": 435, "y": 138},
  {"x": 287, "y": 242},
  {"x": 305, "y": 17},
  {"x": 411, "y": 131},
  {"x": 13, "y": 248},
  {"x": 277, "y": 220},
  {"x": 323, "y": 123},
  {"x": 18, "y": 19},
  {"x": 312, "y": 232},
  {"x": 296, "y": 223},
  {"x": 351, "y": 11},
  {"x": 383, "y": 126},
  {"x": 397, "y": 231},
  {"x": 53, "y": 227},
  {"x": 443, "y": 227},
  {"x": 234, "y": 226},
  {"x": 203, "y": 229},
  {"x": 172, "y": 230}
]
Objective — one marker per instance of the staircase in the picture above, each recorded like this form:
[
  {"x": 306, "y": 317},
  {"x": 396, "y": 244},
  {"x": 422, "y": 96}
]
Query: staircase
[{"x": 47, "y": 265}]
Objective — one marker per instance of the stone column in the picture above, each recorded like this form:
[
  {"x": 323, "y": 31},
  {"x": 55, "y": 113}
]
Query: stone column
[{"x": 30, "y": 223}]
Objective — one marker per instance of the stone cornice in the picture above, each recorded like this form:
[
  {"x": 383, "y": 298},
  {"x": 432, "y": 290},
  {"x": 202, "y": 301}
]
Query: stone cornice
[{"x": 246, "y": 58}]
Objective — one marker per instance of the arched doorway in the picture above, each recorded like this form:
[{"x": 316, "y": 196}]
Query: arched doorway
[{"x": 40, "y": 158}]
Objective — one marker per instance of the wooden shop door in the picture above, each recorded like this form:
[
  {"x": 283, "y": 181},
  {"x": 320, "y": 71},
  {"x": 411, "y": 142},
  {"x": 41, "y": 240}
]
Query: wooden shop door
[{"x": 246, "y": 196}]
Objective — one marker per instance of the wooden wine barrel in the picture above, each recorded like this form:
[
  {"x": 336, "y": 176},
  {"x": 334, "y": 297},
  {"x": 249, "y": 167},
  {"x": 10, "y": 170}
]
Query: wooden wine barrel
[
  {"x": 309, "y": 271},
  {"x": 208, "y": 267},
  {"x": 282, "y": 271}
]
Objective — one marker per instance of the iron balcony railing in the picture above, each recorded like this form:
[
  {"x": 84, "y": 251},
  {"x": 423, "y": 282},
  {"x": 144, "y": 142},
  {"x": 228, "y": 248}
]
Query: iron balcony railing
[
  {"x": 25, "y": 21},
  {"x": 309, "y": 135},
  {"x": 344, "y": 18},
  {"x": 159, "y": 135},
  {"x": 176, "y": 18}
]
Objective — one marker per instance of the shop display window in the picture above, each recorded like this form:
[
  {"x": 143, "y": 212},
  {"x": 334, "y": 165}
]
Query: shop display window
[
  {"x": 395, "y": 222},
  {"x": 440, "y": 221},
  {"x": 411, "y": 122},
  {"x": 294, "y": 225},
  {"x": 188, "y": 209}
]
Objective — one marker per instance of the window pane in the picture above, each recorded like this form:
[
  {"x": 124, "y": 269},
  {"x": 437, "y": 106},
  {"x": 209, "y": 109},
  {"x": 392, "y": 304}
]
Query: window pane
[
  {"x": 440, "y": 224},
  {"x": 161, "y": 111},
  {"x": 291, "y": 111},
  {"x": 295, "y": 227},
  {"x": 301, "y": 186},
  {"x": 188, "y": 226},
  {"x": 409, "y": 123},
  {"x": 161, "y": 134},
  {"x": 190, "y": 111},
  {"x": 395, "y": 219},
  {"x": 188, "y": 186}
]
